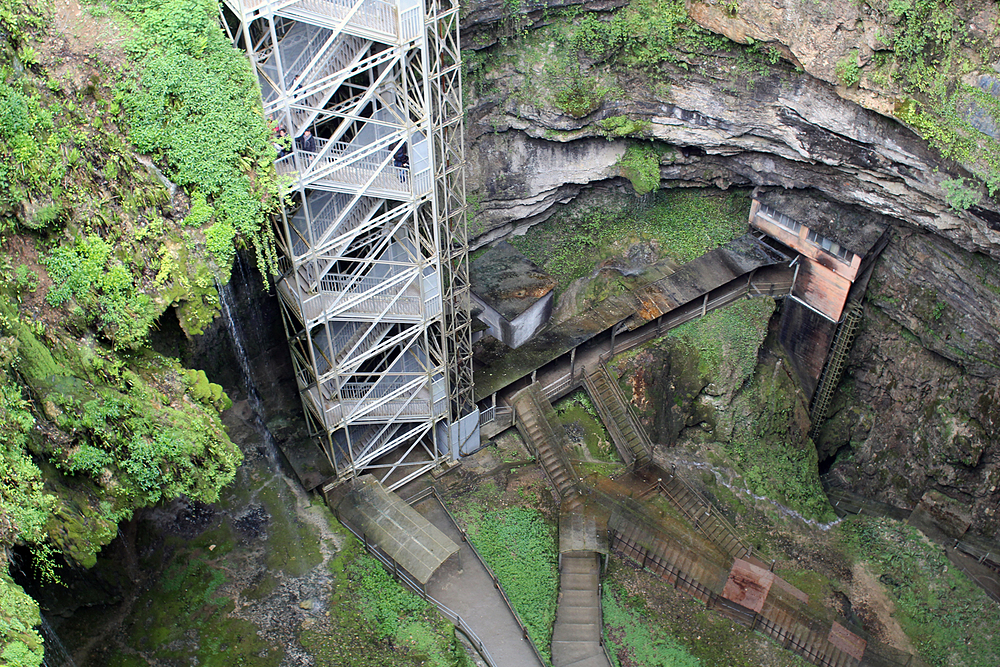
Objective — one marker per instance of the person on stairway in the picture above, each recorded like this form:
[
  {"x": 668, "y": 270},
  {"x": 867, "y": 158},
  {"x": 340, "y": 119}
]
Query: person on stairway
[
  {"x": 307, "y": 142},
  {"x": 401, "y": 159}
]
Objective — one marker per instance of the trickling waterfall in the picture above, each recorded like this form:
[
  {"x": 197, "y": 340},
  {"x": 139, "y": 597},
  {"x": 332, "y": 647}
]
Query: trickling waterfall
[
  {"x": 246, "y": 370},
  {"x": 787, "y": 511},
  {"x": 56, "y": 654}
]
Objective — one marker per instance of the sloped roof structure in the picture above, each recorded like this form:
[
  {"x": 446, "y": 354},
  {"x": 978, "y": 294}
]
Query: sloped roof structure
[{"x": 398, "y": 529}]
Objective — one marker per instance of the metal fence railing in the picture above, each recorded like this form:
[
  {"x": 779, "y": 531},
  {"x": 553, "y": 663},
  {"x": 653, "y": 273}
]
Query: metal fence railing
[
  {"x": 404, "y": 578},
  {"x": 782, "y": 615},
  {"x": 430, "y": 491}
]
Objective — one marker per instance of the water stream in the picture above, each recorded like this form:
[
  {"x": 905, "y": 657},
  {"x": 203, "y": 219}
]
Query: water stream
[
  {"x": 786, "y": 511},
  {"x": 236, "y": 335},
  {"x": 56, "y": 654}
]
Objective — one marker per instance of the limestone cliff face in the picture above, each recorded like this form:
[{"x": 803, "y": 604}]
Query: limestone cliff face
[
  {"x": 765, "y": 127},
  {"x": 918, "y": 409}
]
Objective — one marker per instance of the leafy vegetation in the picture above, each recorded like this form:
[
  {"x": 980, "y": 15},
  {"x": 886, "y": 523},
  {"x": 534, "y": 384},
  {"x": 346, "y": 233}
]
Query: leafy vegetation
[
  {"x": 641, "y": 166},
  {"x": 623, "y": 126},
  {"x": 644, "y": 34},
  {"x": 931, "y": 52},
  {"x": 727, "y": 340},
  {"x": 636, "y": 642},
  {"x": 107, "y": 245},
  {"x": 684, "y": 223},
  {"x": 770, "y": 447},
  {"x": 520, "y": 548},
  {"x": 849, "y": 70},
  {"x": 939, "y": 608},
  {"x": 959, "y": 195},
  {"x": 22, "y": 645},
  {"x": 377, "y": 622},
  {"x": 194, "y": 106}
]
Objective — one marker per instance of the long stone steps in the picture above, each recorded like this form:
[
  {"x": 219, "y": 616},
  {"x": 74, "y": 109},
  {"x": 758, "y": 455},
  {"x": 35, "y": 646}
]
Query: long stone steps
[
  {"x": 547, "y": 438},
  {"x": 628, "y": 436},
  {"x": 576, "y": 636}
]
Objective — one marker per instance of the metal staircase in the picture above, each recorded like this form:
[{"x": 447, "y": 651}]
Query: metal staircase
[
  {"x": 547, "y": 438},
  {"x": 834, "y": 367},
  {"x": 373, "y": 253}
]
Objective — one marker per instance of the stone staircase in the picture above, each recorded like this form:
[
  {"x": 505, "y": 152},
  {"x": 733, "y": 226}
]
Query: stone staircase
[
  {"x": 544, "y": 435},
  {"x": 627, "y": 433},
  {"x": 576, "y": 636}
]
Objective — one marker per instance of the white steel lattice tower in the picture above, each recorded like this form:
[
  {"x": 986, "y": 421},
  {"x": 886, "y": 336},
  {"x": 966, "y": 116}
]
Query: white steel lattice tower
[{"x": 374, "y": 258}]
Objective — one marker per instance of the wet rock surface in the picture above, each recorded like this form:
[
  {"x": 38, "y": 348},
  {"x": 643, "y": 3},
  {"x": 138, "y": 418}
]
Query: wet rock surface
[
  {"x": 919, "y": 408},
  {"x": 781, "y": 128}
]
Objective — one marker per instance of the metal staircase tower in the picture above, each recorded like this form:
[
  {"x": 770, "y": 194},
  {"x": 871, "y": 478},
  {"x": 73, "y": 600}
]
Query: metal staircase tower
[{"x": 373, "y": 253}]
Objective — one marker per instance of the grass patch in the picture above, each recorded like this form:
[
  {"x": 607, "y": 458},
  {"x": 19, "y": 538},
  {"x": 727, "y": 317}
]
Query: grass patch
[
  {"x": 520, "y": 548},
  {"x": 374, "y": 621},
  {"x": 685, "y": 222},
  {"x": 729, "y": 337},
  {"x": 577, "y": 413},
  {"x": 633, "y": 641}
]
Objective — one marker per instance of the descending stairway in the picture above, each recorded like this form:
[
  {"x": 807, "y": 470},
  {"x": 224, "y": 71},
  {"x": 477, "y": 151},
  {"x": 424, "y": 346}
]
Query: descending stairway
[
  {"x": 705, "y": 518},
  {"x": 576, "y": 637},
  {"x": 545, "y": 435},
  {"x": 626, "y": 431}
]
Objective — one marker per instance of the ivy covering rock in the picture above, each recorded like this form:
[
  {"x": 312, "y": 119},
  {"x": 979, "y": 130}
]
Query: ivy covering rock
[{"x": 134, "y": 161}]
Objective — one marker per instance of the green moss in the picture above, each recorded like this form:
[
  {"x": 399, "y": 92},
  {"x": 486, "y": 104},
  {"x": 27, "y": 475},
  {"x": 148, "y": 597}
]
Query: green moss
[
  {"x": 633, "y": 639},
  {"x": 292, "y": 546},
  {"x": 727, "y": 340},
  {"x": 641, "y": 166},
  {"x": 685, "y": 223},
  {"x": 185, "y": 618},
  {"x": 207, "y": 392},
  {"x": 20, "y": 643},
  {"x": 939, "y": 608},
  {"x": 623, "y": 126}
]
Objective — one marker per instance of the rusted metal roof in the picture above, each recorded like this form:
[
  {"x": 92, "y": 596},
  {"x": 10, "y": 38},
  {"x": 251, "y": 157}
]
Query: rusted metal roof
[
  {"x": 847, "y": 641},
  {"x": 748, "y": 585}
]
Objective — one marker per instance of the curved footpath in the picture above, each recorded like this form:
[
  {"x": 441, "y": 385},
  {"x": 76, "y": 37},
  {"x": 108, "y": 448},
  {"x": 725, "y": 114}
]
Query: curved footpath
[{"x": 464, "y": 585}]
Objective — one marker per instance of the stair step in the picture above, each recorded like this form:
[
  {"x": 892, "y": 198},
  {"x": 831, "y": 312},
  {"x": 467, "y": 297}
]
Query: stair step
[
  {"x": 575, "y": 632},
  {"x": 571, "y": 598},
  {"x": 577, "y": 654},
  {"x": 578, "y": 582},
  {"x": 596, "y": 660}
]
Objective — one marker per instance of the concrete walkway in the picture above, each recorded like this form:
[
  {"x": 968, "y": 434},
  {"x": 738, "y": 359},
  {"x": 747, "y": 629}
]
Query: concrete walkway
[{"x": 464, "y": 585}]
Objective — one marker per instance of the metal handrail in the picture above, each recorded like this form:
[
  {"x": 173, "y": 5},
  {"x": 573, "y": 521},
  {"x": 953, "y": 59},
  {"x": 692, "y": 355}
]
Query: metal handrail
[
  {"x": 493, "y": 576},
  {"x": 401, "y": 575}
]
